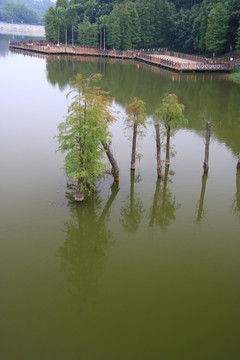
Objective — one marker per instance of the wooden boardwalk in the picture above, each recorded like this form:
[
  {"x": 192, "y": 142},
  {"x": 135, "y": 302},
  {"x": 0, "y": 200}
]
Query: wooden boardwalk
[{"x": 173, "y": 61}]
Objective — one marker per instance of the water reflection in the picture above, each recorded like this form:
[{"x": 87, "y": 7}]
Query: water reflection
[
  {"x": 204, "y": 95},
  {"x": 236, "y": 202},
  {"x": 132, "y": 209},
  {"x": 4, "y": 38},
  {"x": 87, "y": 241},
  {"x": 201, "y": 210},
  {"x": 164, "y": 203}
]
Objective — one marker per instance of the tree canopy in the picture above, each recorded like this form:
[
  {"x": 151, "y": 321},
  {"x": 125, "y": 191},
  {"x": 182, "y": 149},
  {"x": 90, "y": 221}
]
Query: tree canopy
[{"x": 195, "y": 26}]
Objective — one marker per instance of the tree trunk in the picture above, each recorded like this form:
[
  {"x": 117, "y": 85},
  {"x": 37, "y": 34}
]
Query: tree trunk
[
  {"x": 238, "y": 164},
  {"x": 115, "y": 168},
  {"x": 101, "y": 39},
  {"x": 158, "y": 145},
  {"x": 207, "y": 142},
  {"x": 58, "y": 33},
  {"x": 79, "y": 196},
  {"x": 168, "y": 147},
  {"x": 134, "y": 140},
  {"x": 104, "y": 37},
  {"x": 72, "y": 35},
  {"x": 66, "y": 36}
]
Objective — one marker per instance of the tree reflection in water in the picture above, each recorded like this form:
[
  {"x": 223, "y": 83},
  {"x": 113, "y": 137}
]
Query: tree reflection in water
[
  {"x": 132, "y": 210},
  {"x": 84, "y": 251},
  {"x": 236, "y": 202},
  {"x": 201, "y": 210},
  {"x": 164, "y": 203}
]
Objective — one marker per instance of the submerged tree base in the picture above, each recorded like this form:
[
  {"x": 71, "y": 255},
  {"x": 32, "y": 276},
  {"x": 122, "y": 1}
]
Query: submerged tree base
[
  {"x": 205, "y": 168},
  {"x": 79, "y": 197},
  {"x": 238, "y": 164}
]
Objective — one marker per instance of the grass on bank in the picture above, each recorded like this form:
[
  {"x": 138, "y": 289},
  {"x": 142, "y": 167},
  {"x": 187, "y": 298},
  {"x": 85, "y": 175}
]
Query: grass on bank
[{"x": 236, "y": 74}]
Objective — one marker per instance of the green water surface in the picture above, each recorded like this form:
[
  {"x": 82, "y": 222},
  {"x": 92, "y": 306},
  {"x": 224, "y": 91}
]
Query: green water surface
[{"x": 147, "y": 269}]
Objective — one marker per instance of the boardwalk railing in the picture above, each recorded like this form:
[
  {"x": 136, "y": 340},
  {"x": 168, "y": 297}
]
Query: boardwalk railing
[
  {"x": 196, "y": 64},
  {"x": 184, "y": 56},
  {"x": 193, "y": 66},
  {"x": 46, "y": 48}
]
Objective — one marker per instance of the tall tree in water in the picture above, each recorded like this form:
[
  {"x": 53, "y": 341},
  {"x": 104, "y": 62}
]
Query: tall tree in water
[
  {"x": 135, "y": 120},
  {"x": 170, "y": 113},
  {"x": 159, "y": 131},
  {"x": 83, "y": 132}
]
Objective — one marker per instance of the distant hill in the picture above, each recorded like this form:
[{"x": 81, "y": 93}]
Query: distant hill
[{"x": 23, "y": 11}]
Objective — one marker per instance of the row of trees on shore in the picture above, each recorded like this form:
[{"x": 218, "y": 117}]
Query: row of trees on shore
[{"x": 191, "y": 26}]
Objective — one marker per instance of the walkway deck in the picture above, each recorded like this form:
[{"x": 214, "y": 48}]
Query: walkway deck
[{"x": 173, "y": 61}]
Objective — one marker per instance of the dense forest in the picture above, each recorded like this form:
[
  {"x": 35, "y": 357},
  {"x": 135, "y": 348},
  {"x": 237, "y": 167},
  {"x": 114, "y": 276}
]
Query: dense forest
[
  {"x": 23, "y": 11},
  {"x": 196, "y": 26}
]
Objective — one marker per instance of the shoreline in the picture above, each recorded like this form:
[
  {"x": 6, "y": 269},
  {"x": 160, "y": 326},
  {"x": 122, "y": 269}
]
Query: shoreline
[
  {"x": 173, "y": 61},
  {"x": 22, "y": 29}
]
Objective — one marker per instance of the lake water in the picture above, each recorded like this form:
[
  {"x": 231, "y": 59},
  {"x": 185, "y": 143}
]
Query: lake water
[{"x": 147, "y": 269}]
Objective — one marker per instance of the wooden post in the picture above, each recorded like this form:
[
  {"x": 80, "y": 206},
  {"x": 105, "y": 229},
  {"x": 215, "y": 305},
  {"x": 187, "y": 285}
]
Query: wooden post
[{"x": 207, "y": 142}]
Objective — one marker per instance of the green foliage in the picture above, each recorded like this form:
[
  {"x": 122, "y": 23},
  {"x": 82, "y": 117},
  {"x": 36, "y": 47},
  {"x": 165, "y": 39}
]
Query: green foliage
[
  {"x": 170, "y": 113},
  {"x": 183, "y": 25},
  {"x": 216, "y": 34},
  {"x": 114, "y": 30},
  {"x": 136, "y": 114},
  {"x": 233, "y": 8},
  {"x": 37, "y": 9},
  {"x": 51, "y": 24},
  {"x": 18, "y": 13},
  {"x": 146, "y": 16},
  {"x": 236, "y": 75},
  {"x": 187, "y": 29},
  {"x": 124, "y": 27},
  {"x": 84, "y": 131},
  {"x": 238, "y": 38},
  {"x": 87, "y": 33}
]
